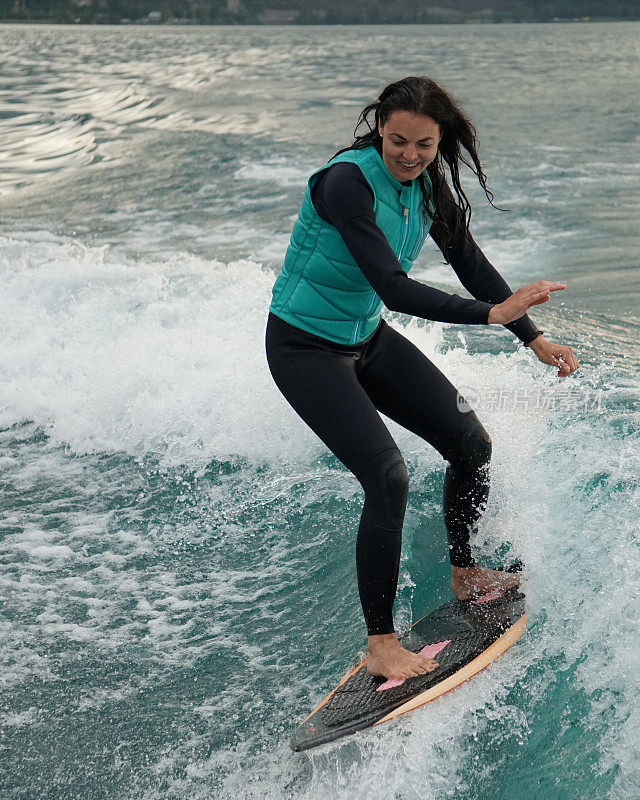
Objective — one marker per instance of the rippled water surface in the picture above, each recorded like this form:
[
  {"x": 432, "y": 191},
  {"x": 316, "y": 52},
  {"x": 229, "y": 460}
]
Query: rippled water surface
[{"x": 177, "y": 550}]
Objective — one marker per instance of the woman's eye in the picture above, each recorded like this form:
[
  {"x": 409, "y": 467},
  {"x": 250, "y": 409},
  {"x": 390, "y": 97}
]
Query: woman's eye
[{"x": 424, "y": 146}]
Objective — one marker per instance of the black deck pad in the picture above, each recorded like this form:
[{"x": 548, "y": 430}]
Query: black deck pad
[{"x": 468, "y": 629}]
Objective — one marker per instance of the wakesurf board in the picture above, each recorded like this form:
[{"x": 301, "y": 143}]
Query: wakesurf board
[{"x": 464, "y": 637}]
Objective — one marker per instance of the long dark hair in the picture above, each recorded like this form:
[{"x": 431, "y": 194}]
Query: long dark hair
[{"x": 421, "y": 95}]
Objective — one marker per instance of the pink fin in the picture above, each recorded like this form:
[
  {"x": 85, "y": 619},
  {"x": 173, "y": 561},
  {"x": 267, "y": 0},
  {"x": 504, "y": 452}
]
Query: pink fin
[
  {"x": 487, "y": 598},
  {"x": 429, "y": 650}
]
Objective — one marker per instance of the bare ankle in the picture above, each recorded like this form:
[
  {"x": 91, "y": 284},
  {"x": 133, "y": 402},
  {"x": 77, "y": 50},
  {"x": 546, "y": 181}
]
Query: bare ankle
[{"x": 381, "y": 641}]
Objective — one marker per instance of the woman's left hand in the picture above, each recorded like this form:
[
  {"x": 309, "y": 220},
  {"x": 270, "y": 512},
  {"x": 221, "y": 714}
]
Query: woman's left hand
[{"x": 558, "y": 355}]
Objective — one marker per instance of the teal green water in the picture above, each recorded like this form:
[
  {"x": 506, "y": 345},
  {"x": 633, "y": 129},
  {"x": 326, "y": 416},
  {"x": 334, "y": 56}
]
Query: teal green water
[{"x": 176, "y": 549}]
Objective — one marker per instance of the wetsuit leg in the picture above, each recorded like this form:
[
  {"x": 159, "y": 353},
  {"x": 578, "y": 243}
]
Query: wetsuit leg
[
  {"x": 318, "y": 378},
  {"x": 407, "y": 387}
]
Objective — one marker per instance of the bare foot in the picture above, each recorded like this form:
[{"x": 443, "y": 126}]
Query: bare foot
[
  {"x": 389, "y": 659},
  {"x": 476, "y": 581}
]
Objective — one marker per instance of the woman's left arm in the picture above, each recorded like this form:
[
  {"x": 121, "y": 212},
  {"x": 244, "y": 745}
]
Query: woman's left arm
[
  {"x": 558, "y": 355},
  {"x": 482, "y": 280}
]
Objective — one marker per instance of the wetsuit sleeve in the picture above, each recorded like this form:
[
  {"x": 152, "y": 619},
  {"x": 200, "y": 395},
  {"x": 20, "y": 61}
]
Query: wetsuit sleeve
[
  {"x": 343, "y": 198},
  {"x": 478, "y": 276}
]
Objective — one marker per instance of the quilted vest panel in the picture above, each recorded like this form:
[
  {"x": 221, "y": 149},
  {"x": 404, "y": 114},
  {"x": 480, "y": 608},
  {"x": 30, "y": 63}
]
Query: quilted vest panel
[{"x": 320, "y": 288}]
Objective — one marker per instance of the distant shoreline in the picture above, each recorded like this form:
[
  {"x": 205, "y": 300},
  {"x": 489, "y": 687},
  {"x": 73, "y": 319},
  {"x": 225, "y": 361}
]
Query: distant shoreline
[{"x": 292, "y": 24}]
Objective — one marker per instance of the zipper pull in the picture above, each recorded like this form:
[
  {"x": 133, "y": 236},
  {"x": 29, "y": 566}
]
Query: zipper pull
[{"x": 406, "y": 213}]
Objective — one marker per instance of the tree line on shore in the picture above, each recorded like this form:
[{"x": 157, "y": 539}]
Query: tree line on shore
[{"x": 243, "y": 12}]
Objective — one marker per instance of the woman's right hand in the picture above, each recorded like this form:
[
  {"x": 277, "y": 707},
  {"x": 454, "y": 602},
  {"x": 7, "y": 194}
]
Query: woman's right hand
[{"x": 515, "y": 306}]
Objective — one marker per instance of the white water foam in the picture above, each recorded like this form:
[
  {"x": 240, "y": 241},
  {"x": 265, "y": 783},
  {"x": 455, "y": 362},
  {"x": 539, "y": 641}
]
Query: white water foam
[{"x": 162, "y": 356}]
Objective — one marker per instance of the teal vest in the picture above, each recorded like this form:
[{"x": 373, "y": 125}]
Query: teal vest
[{"x": 320, "y": 288}]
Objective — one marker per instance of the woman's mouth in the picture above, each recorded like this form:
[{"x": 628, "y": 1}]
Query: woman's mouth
[{"x": 408, "y": 166}]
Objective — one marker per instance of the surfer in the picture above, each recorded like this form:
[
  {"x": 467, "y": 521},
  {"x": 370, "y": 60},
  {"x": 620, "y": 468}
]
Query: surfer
[{"x": 363, "y": 220}]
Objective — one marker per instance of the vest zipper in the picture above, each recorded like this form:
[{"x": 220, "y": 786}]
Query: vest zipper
[{"x": 406, "y": 231}]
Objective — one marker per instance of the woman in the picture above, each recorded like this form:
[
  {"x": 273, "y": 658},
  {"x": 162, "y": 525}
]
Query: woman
[{"x": 364, "y": 218}]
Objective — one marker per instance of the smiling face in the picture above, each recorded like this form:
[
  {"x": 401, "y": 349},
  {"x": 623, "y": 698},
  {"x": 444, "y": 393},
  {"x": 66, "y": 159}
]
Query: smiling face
[{"x": 409, "y": 144}]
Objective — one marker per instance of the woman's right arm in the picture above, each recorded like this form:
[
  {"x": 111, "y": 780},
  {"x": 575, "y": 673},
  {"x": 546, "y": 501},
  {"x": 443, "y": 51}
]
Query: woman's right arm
[{"x": 343, "y": 198}]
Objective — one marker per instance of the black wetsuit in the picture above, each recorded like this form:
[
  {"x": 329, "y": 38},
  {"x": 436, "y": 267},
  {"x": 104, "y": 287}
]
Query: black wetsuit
[{"x": 338, "y": 389}]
